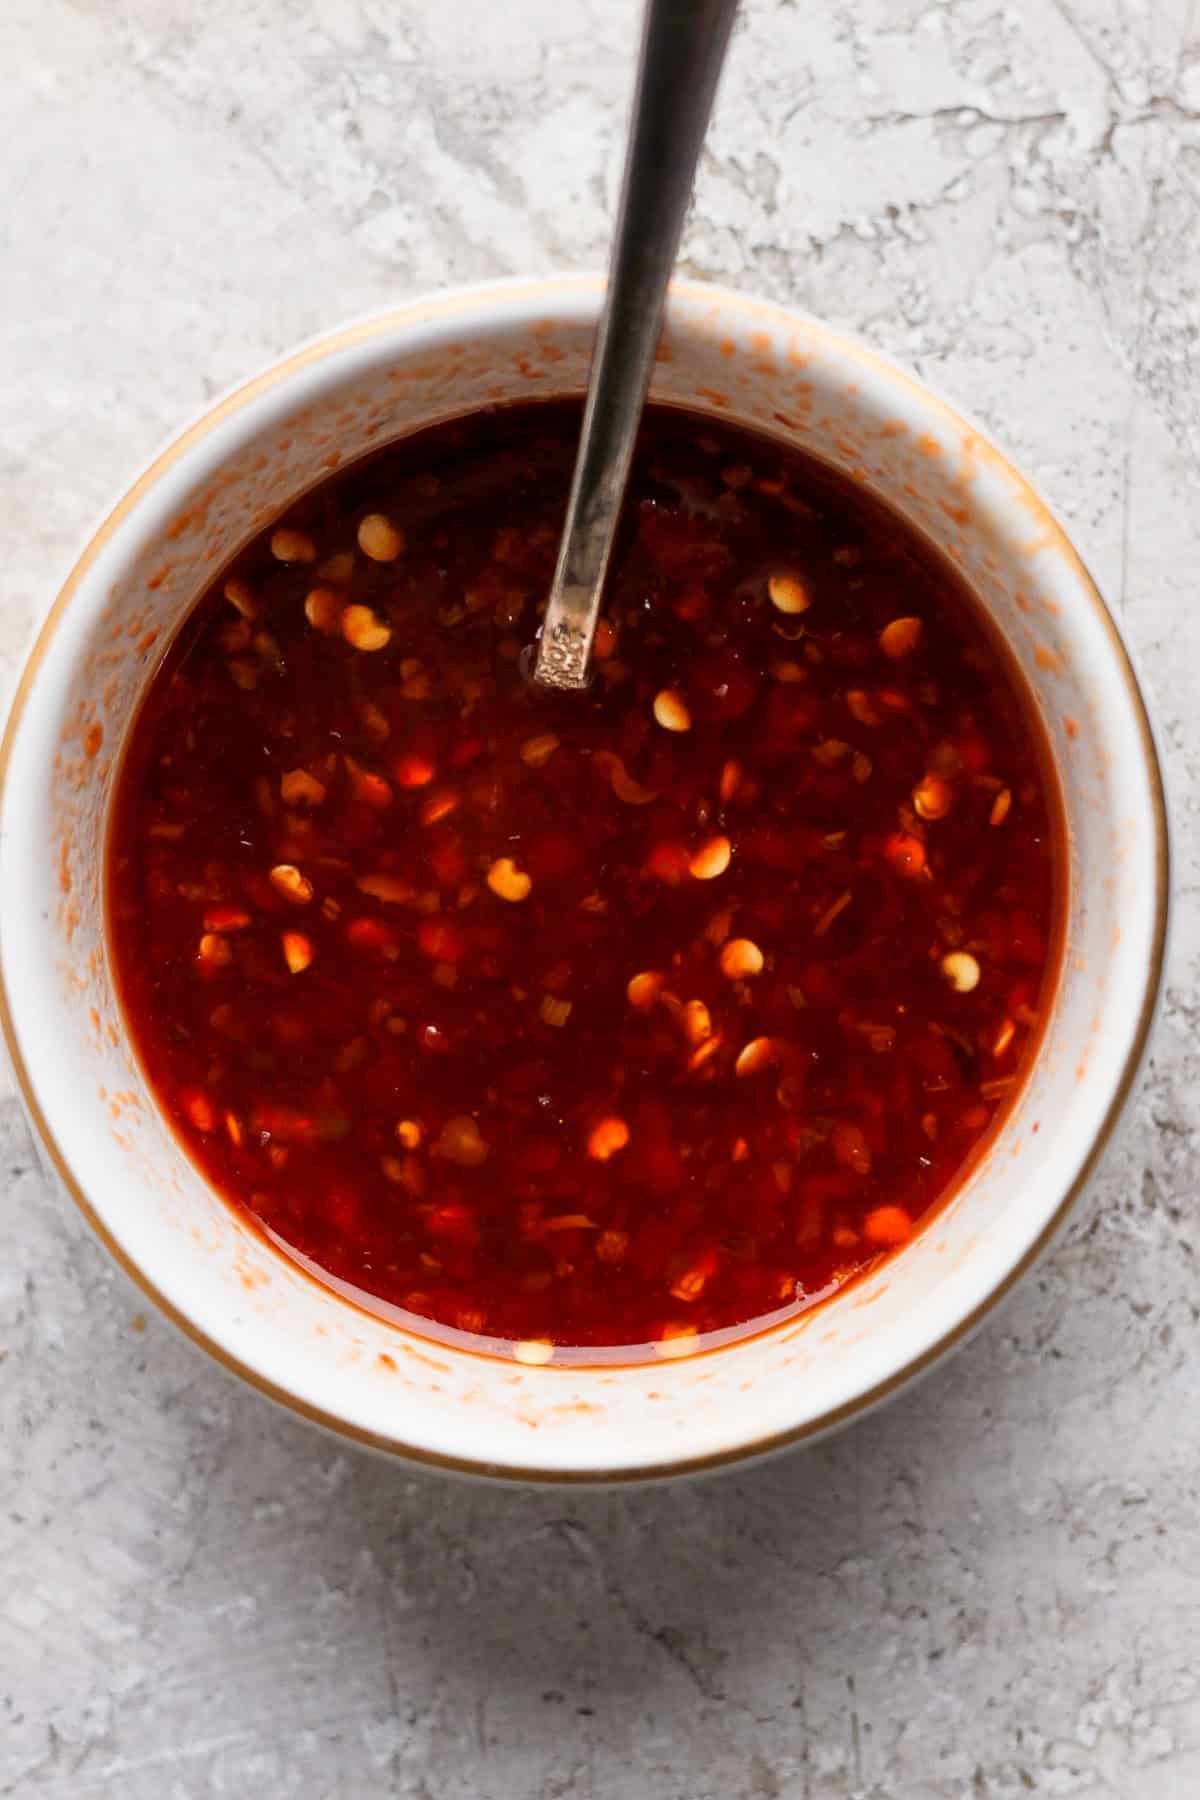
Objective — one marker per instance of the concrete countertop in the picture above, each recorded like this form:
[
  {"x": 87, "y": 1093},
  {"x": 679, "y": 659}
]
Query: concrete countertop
[{"x": 990, "y": 1590}]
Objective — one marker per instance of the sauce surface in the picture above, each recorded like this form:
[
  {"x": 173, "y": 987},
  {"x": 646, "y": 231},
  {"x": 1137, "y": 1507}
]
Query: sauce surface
[{"x": 614, "y": 1020}]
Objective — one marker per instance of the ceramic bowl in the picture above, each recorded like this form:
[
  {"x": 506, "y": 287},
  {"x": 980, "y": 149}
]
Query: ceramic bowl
[{"x": 375, "y": 1381}]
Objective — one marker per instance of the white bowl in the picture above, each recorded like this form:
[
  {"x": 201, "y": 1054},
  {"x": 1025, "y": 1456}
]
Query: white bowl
[{"x": 374, "y": 1381}]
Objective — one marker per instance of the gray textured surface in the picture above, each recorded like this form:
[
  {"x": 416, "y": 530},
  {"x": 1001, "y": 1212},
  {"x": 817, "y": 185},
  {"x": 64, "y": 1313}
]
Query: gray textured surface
[{"x": 991, "y": 1590}]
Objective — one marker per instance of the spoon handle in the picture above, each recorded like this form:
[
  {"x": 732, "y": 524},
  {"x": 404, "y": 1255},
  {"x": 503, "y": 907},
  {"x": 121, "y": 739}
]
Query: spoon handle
[{"x": 683, "y": 48}]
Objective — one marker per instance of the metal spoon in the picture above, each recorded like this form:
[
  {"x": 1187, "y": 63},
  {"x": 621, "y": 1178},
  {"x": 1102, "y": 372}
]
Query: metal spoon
[{"x": 683, "y": 49}]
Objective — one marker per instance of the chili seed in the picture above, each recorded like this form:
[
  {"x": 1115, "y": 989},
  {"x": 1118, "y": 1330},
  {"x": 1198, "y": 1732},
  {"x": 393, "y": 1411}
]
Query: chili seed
[
  {"x": 287, "y": 880},
  {"x": 887, "y": 1227},
  {"x": 961, "y": 971},
  {"x": 461, "y": 1141},
  {"x": 1001, "y": 807},
  {"x": 642, "y": 990},
  {"x": 756, "y": 1056},
  {"x": 240, "y": 594},
  {"x": 379, "y": 539},
  {"x": 364, "y": 630},
  {"x": 670, "y": 711},
  {"x": 323, "y": 610},
  {"x": 900, "y": 638},
  {"x": 861, "y": 707},
  {"x": 711, "y": 860},
  {"x": 932, "y": 797},
  {"x": 214, "y": 953},
  {"x": 607, "y": 1138},
  {"x": 697, "y": 1022},
  {"x": 906, "y": 854},
  {"x": 298, "y": 788},
  {"x": 337, "y": 568},
  {"x": 298, "y": 951},
  {"x": 288, "y": 546},
  {"x": 509, "y": 882},
  {"x": 741, "y": 958},
  {"x": 788, "y": 594}
]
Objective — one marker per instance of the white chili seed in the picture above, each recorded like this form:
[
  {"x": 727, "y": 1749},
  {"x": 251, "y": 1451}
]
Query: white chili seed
[
  {"x": 697, "y": 1022},
  {"x": 287, "y": 880},
  {"x": 215, "y": 951},
  {"x": 240, "y": 594},
  {"x": 642, "y": 990},
  {"x": 297, "y": 951},
  {"x": 961, "y": 971},
  {"x": 670, "y": 711},
  {"x": 788, "y": 594},
  {"x": 741, "y": 957},
  {"x": 607, "y": 1138},
  {"x": 711, "y": 860},
  {"x": 323, "y": 609},
  {"x": 507, "y": 881},
  {"x": 755, "y": 1056},
  {"x": 365, "y": 630},
  {"x": 379, "y": 539},
  {"x": 900, "y": 638},
  {"x": 288, "y": 546},
  {"x": 932, "y": 797}
]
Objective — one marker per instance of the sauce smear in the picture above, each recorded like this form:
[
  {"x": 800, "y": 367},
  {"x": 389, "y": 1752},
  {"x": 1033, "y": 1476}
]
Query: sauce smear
[{"x": 585, "y": 1021}]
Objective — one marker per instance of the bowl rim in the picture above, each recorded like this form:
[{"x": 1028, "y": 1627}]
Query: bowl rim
[{"x": 545, "y": 293}]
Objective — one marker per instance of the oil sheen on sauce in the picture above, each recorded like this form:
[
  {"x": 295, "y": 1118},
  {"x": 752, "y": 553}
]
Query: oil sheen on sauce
[{"x": 614, "y": 1020}]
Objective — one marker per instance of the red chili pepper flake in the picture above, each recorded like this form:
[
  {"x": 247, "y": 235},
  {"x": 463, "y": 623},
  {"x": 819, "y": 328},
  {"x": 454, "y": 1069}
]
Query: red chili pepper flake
[{"x": 615, "y": 1020}]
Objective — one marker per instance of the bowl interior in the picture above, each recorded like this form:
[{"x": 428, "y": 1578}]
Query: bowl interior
[{"x": 219, "y": 485}]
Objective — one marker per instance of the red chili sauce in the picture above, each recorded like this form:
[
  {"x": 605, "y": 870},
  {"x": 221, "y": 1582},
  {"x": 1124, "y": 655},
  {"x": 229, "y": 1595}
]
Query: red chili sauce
[{"x": 581, "y": 1021}]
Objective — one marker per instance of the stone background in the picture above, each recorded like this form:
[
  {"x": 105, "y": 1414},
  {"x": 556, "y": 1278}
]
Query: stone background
[{"x": 992, "y": 1589}]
